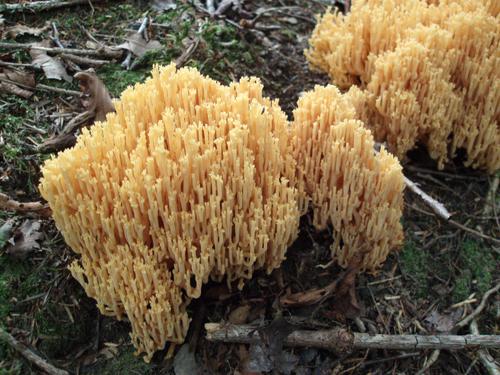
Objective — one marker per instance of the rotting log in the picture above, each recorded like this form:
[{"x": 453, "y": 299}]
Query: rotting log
[{"x": 341, "y": 340}]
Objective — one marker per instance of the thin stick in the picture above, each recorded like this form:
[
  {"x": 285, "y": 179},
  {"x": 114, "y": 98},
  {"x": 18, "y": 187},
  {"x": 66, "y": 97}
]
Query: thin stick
[
  {"x": 436, "y": 206},
  {"x": 84, "y": 60},
  {"x": 474, "y": 232},
  {"x": 20, "y": 65},
  {"x": 486, "y": 359},
  {"x": 342, "y": 341},
  {"x": 29, "y": 355},
  {"x": 7, "y": 203},
  {"x": 490, "y": 197},
  {"x": 41, "y": 5},
  {"x": 428, "y": 363},
  {"x": 469, "y": 318},
  {"x": 107, "y": 52}
]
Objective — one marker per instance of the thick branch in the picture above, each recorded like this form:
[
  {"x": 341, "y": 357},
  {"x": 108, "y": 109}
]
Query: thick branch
[
  {"x": 341, "y": 340},
  {"x": 103, "y": 51},
  {"x": 29, "y": 355},
  {"x": 40, "y": 5},
  {"x": 7, "y": 203}
]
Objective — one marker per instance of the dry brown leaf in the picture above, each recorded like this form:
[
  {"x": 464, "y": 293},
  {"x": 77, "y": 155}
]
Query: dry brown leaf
[
  {"x": 10, "y": 78},
  {"x": 239, "y": 315},
  {"x": 14, "y": 31},
  {"x": 52, "y": 66},
  {"x": 99, "y": 101},
  {"x": 136, "y": 44},
  {"x": 443, "y": 323},
  {"x": 25, "y": 239}
]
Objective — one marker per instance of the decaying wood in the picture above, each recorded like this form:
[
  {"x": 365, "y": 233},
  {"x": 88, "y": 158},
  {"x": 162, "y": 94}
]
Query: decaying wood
[
  {"x": 340, "y": 340},
  {"x": 41, "y": 5},
  {"x": 9, "y": 204},
  {"x": 102, "y": 51},
  {"x": 29, "y": 355}
]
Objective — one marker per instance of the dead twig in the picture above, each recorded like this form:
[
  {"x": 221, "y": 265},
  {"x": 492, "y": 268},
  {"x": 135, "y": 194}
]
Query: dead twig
[
  {"x": 490, "y": 197},
  {"x": 340, "y": 340},
  {"x": 486, "y": 359},
  {"x": 429, "y": 362},
  {"x": 7, "y": 203},
  {"x": 29, "y": 355},
  {"x": 474, "y": 232},
  {"x": 101, "y": 51},
  {"x": 436, "y": 206},
  {"x": 43, "y": 87},
  {"x": 86, "y": 61},
  {"x": 188, "y": 52},
  {"x": 43, "y": 5},
  {"x": 469, "y": 318}
]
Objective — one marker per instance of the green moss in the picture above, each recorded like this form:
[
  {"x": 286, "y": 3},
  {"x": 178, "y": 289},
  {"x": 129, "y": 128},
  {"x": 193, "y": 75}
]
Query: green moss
[
  {"x": 125, "y": 363},
  {"x": 415, "y": 266},
  {"x": 117, "y": 79},
  {"x": 477, "y": 265}
]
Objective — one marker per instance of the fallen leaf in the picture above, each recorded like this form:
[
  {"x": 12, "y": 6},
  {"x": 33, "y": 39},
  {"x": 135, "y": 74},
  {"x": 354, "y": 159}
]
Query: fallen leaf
[
  {"x": 161, "y": 5},
  {"x": 11, "y": 78},
  {"x": 25, "y": 239},
  {"x": 185, "y": 362},
  {"x": 52, "y": 66},
  {"x": 239, "y": 315},
  {"x": 136, "y": 44},
  {"x": 5, "y": 231},
  {"x": 14, "y": 31},
  {"x": 99, "y": 100},
  {"x": 443, "y": 322}
]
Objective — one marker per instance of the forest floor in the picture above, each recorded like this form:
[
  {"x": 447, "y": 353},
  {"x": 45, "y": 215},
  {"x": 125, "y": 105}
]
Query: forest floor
[{"x": 439, "y": 275}]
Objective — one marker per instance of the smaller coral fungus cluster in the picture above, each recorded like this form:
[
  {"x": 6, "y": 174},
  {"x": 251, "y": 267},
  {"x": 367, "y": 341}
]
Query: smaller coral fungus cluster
[
  {"x": 429, "y": 73},
  {"x": 352, "y": 188}
]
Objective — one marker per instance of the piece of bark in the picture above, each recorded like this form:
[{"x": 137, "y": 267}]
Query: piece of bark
[{"x": 340, "y": 340}]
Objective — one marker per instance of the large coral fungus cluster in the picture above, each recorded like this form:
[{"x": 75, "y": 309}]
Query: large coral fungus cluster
[
  {"x": 186, "y": 181},
  {"x": 429, "y": 73},
  {"x": 351, "y": 187}
]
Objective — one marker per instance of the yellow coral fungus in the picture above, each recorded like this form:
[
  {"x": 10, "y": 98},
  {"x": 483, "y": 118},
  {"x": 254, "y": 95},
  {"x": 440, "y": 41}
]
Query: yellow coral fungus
[
  {"x": 184, "y": 182},
  {"x": 350, "y": 187},
  {"x": 429, "y": 73}
]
